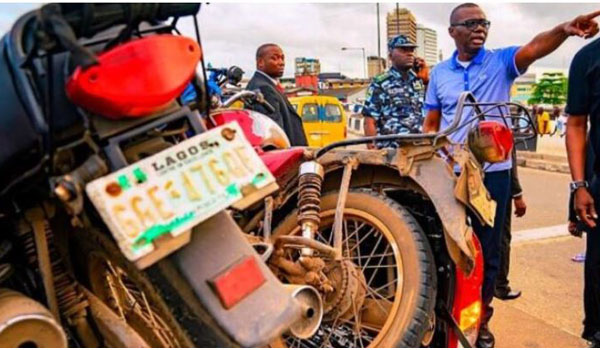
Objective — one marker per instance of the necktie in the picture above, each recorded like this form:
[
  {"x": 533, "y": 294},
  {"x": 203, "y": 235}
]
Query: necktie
[{"x": 280, "y": 88}]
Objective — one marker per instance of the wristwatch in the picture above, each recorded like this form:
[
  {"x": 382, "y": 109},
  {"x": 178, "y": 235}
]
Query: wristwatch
[{"x": 578, "y": 184}]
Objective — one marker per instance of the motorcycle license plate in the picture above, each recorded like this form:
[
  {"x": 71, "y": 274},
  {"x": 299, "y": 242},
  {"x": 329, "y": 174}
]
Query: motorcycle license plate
[{"x": 174, "y": 190}]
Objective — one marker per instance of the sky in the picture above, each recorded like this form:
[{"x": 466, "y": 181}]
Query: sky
[{"x": 231, "y": 32}]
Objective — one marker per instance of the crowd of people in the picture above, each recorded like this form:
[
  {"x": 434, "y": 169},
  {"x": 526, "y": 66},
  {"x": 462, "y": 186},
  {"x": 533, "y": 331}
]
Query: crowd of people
[{"x": 408, "y": 99}]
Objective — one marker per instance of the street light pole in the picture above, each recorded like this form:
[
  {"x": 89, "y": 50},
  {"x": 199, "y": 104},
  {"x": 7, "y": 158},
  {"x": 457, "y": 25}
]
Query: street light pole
[
  {"x": 378, "y": 34},
  {"x": 364, "y": 57}
]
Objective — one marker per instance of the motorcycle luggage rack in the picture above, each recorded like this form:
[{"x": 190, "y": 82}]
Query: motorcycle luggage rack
[
  {"x": 113, "y": 150},
  {"x": 466, "y": 99}
]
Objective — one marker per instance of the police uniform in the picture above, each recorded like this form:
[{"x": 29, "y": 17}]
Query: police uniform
[{"x": 395, "y": 103}]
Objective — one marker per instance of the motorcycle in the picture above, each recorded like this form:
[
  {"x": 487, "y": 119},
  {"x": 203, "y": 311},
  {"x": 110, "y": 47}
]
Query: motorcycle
[
  {"x": 383, "y": 235},
  {"x": 113, "y": 195}
]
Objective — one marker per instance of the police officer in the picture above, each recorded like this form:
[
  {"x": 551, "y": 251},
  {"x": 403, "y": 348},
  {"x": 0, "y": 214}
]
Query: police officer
[{"x": 394, "y": 100}]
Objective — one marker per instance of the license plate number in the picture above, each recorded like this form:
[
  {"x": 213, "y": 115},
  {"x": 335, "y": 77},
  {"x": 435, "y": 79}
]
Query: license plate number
[{"x": 174, "y": 190}]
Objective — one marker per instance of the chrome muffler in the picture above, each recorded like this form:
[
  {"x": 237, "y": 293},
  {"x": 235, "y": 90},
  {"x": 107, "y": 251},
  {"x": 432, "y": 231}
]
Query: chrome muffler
[
  {"x": 26, "y": 323},
  {"x": 311, "y": 308}
]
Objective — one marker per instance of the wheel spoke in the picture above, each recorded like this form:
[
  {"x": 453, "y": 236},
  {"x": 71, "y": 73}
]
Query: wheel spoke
[
  {"x": 378, "y": 264},
  {"x": 386, "y": 285},
  {"x": 356, "y": 229},
  {"x": 372, "y": 251},
  {"x": 375, "y": 296},
  {"x": 373, "y": 229},
  {"x": 319, "y": 235},
  {"x": 333, "y": 325},
  {"x": 381, "y": 255},
  {"x": 369, "y": 328}
]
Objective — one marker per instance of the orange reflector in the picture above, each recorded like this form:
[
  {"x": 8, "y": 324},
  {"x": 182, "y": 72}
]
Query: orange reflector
[
  {"x": 237, "y": 282},
  {"x": 469, "y": 316}
]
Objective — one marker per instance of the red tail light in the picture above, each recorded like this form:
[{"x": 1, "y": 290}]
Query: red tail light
[
  {"x": 467, "y": 308},
  {"x": 491, "y": 142},
  {"x": 137, "y": 78}
]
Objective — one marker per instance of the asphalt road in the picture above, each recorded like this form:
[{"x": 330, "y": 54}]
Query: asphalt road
[
  {"x": 546, "y": 195},
  {"x": 550, "y": 311}
]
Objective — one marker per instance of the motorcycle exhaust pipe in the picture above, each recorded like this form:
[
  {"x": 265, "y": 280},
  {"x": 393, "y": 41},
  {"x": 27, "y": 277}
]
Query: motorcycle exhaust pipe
[
  {"x": 311, "y": 307},
  {"x": 26, "y": 323}
]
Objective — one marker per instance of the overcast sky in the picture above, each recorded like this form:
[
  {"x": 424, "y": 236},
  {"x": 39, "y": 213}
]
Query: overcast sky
[{"x": 232, "y": 32}]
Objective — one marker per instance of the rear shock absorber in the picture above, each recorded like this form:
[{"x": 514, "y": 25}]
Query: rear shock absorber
[
  {"x": 309, "y": 200},
  {"x": 72, "y": 302}
]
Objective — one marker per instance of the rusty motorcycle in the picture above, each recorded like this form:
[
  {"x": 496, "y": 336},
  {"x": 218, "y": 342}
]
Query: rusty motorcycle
[{"x": 383, "y": 235}]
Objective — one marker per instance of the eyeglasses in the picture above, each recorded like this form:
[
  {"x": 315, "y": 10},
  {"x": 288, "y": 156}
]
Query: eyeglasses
[{"x": 472, "y": 24}]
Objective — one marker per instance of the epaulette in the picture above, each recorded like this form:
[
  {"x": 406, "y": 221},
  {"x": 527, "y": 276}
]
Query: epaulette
[{"x": 382, "y": 77}]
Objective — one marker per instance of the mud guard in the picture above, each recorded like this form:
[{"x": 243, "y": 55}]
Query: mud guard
[
  {"x": 258, "y": 318},
  {"x": 452, "y": 213}
]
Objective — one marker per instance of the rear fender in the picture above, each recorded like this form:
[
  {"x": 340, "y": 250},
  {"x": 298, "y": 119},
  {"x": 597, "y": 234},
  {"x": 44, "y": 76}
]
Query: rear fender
[{"x": 216, "y": 249}]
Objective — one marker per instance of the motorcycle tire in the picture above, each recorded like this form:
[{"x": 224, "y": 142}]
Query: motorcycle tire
[
  {"x": 411, "y": 315},
  {"x": 97, "y": 259}
]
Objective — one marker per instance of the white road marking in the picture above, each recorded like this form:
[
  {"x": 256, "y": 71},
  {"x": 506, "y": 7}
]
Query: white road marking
[{"x": 540, "y": 233}]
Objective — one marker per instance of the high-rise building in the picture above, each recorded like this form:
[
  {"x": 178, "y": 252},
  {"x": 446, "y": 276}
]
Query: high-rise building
[
  {"x": 402, "y": 21},
  {"x": 376, "y": 65},
  {"x": 427, "y": 41}
]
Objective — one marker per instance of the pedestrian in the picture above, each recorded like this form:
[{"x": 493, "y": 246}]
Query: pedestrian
[
  {"x": 489, "y": 75},
  {"x": 583, "y": 103},
  {"x": 543, "y": 121},
  {"x": 561, "y": 124},
  {"x": 394, "y": 103},
  {"x": 503, "y": 290},
  {"x": 270, "y": 64}
]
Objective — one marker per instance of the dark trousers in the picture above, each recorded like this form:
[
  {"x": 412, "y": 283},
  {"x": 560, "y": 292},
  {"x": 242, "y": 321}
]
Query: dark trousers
[
  {"x": 498, "y": 185},
  {"x": 591, "y": 289},
  {"x": 502, "y": 278}
]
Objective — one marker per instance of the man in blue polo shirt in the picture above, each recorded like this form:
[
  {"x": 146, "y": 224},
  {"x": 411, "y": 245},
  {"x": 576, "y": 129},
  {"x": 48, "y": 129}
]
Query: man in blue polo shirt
[{"x": 488, "y": 74}]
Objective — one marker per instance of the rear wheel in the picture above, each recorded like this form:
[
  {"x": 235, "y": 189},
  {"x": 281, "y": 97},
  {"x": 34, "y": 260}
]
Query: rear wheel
[
  {"x": 125, "y": 289},
  {"x": 384, "y": 288}
]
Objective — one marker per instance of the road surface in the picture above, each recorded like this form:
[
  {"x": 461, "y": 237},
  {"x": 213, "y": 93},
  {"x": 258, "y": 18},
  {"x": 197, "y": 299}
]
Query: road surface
[{"x": 550, "y": 311}]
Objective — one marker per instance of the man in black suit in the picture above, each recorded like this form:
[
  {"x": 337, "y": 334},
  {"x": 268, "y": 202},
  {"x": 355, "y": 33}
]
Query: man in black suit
[{"x": 269, "y": 68}]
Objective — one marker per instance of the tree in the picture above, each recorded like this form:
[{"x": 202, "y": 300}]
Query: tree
[{"x": 551, "y": 90}]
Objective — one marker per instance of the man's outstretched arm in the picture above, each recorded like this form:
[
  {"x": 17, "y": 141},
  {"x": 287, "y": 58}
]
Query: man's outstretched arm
[{"x": 545, "y": 43}]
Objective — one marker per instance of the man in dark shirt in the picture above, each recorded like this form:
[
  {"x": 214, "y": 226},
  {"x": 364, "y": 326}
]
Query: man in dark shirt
[
  {"x": 583, "y": 101},
  {"x": 270, "y": 63}
]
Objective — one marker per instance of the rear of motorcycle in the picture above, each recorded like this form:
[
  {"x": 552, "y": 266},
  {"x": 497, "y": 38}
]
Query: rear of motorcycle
[{"x": 150, "y": 258}]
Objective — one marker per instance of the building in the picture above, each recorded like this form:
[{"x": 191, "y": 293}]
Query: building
[
  {"x": 522, "y": 88},
  {"x": 376, "y": 65},
  {"x": 307, "y": 72},
  {"x": 401, "y": 21},
  {"x": 427, "y": 41},
  {"x": 307, "y": 66}
]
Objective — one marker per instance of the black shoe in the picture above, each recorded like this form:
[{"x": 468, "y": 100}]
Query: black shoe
[
  {"x": 485, "y": 339},
  {"x": 594, "y": 341},
  {"x": 507, "y": 294}
]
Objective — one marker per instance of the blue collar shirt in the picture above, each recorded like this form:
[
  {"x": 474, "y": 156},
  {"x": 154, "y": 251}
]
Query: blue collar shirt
[{"x": 489, "y": 76}]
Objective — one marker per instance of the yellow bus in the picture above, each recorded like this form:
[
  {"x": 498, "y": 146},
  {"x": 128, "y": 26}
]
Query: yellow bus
[{"x": 323, "y": 118}]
